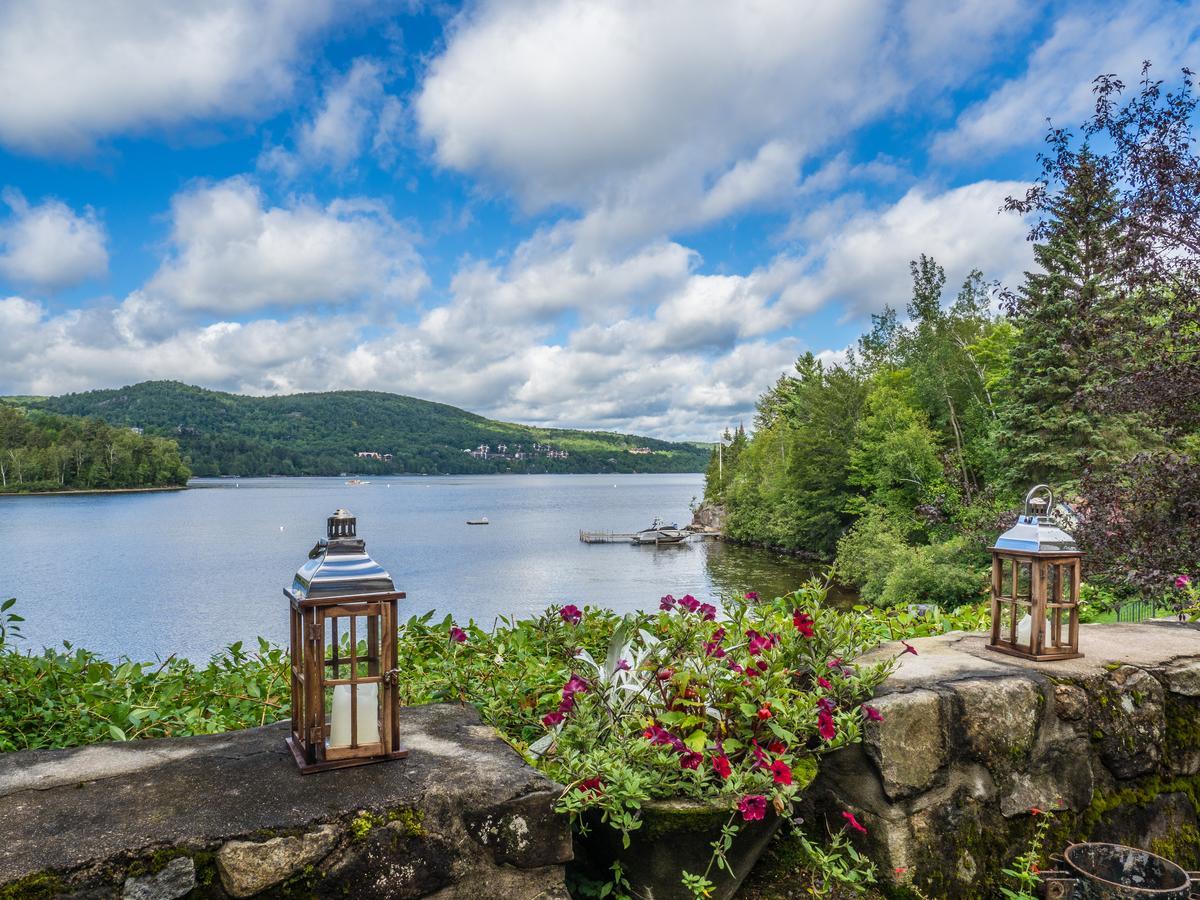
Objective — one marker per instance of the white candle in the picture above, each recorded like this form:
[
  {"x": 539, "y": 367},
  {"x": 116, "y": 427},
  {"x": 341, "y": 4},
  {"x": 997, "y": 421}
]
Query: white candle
[{"x": 368, "y": 715}]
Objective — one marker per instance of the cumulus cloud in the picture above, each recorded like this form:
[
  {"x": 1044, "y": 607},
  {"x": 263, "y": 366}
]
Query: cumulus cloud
[
  {"x": 49, "y": 245},
  {"x": 664, "y": 115},
  {"x": 353, "y": 107},
  {"x": 1057, "y": 81},
  {"x": 232, "y": 252},
  {"x": 72, "y": 73}
]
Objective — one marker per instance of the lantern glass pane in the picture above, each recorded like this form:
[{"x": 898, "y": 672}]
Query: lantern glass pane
[
  {"x": 1006, "y": 578},
  {"x": 1024, "y": 579}
]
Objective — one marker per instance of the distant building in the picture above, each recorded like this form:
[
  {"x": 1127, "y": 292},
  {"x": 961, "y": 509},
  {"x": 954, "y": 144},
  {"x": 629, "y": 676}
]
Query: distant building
[{"x": 640, "y": 451}]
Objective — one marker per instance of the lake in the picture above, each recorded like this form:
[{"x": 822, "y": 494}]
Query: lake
[{"x": 188, "y": 572}]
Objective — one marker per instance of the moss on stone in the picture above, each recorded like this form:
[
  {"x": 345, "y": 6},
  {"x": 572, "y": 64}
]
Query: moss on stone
[
  {"x": 364, "y": 823},
  {"x": 38, "y": 886},
  {"x": 1183, "y": 726},
  {"x": 410, "y": 822}
]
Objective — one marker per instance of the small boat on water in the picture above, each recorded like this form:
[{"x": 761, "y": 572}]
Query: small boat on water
[
  {"x": 354, "y": 482},
  {"x": 482, "y": 520},
  {"x": 660, "y": 533}
]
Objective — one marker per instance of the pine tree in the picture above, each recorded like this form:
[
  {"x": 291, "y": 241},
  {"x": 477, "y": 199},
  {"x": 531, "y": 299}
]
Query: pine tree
[{"x": 1051, "y": 431}]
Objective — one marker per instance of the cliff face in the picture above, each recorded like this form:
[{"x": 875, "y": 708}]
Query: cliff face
[{"x": 709, "y": 518}]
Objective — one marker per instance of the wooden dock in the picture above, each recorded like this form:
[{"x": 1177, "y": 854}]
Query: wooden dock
[{"x": 606, "y": 537}]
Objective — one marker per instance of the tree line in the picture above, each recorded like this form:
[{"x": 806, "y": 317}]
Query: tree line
[
  {"x": 902, "y": 463},
  {"x": 44, "y": 452}
]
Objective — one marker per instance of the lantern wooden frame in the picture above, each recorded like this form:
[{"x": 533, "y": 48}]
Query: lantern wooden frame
[
  {"x": 1053, "y": 581},
  {"x": 313, "y": 672}
]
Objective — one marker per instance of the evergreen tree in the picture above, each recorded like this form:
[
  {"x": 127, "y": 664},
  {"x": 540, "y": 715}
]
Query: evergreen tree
[{"x": 1051, "y": 431}]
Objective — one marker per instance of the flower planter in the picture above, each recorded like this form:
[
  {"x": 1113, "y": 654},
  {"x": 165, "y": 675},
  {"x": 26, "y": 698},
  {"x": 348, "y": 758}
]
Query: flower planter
[{"x": 676, "y": 836}]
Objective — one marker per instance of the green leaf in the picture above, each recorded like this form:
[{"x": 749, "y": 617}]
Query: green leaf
[
  {"x": 117, "y": 733},
  {"x": 696, "y": 741}
]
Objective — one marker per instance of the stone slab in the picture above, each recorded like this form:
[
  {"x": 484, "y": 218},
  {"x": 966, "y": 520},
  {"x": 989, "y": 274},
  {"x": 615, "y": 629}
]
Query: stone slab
[{"x": 65, "y": 810}]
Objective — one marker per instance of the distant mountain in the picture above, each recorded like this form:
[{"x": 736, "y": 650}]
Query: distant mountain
[{"x": 320, "y": 434}]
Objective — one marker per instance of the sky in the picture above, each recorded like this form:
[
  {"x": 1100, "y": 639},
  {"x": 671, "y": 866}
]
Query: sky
[{"x": 630, "y": 215}]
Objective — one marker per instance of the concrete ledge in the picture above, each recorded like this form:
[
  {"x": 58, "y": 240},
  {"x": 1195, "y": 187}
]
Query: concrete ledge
[{"x": 229, "y": 815}]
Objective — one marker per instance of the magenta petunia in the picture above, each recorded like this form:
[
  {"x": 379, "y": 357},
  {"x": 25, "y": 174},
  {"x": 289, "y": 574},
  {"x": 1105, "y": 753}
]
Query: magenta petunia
[
  {"x": 909, "y": 648},
  {"x": 753, "y": 807},
  {"x": 667, "y": 603},
  {"x": 690, "y": 603},
  {"x": 552, "y": 719},
  {"x": 1182, "y": 581},
  {"x": 872, "y": 713},
  {"x": 752, "y": 596},
  {"x": 622, "y": 665},
  {"x": 571, "y": 614},
  {"x": 825, "y": 726},
  {"x": 714, "y": 649},
  {"x": 721, "y": 766},
  {"x": 708, "y": 611},
  {"x": 803, "y": 622},
  {"x": 782, "y": 772},
  {"x": 853, "y": 822},
  {"x": 824, "y": 682},
  {"x": 457, "y": 635},
  {"x": 689, "y": 759}
]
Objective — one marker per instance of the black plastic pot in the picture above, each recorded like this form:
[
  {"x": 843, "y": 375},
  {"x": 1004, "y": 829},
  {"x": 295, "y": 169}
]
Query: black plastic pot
[{"x": 1116, "y": 872}]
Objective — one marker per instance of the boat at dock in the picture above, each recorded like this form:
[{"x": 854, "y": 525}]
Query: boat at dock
[{"x": 660, "y": 533}]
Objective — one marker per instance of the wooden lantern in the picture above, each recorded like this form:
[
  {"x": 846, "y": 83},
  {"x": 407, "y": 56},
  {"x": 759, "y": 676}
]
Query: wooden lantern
[
  {"x": 343, "y": 616},
  {"x": 1035, "y": 585}
]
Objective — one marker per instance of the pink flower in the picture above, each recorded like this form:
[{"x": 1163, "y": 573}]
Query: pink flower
[
  {"x": 764, "y": 713},
  {"x": 689, "y": 759},
  {"x": 762, "y": 665},
  {"x": 752, "y": 596},
  {"x": 552, "y": 719},
  {"x": 714, "y": 649},
  {"x": 777, "y": 746},
  {"x": 721, "y": 766},
  {"x": 853, "y": 822},
  {"x": 909, "y": 648},
  {"x": 760, "y": 758},
  {"x": 824, "y": 682},
  {"x": 690, "y": 603},
  {"x": 781, "y": 771},
  {"x": 708, "y": 611},
  {"x": 753, "y": 807},
  {"x": 592, "y": 786},
  {"x": 803, "y": 623},
  {"x": 568, "y": 704},
  {"x": 757, "y": 643},
  {"x": 665, "y": 674},
  {"x": 825, "y": 726},
  {"x": 873, "y": 714},
  {"x": 622, "y": 665},
  {"x": 667, "y": 603},
  {"x": 734, "y": 667},
  {"x": 1182, "y": 581},
  {"x": 457, "y": 635},
  {"x": 571, "y": 614}
]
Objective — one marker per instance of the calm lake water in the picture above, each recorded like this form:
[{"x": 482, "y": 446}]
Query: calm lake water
[{"x": 189, "y": 572}]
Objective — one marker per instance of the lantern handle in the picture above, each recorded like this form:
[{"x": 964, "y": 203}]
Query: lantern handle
[{"x": 1034, "y": 490}]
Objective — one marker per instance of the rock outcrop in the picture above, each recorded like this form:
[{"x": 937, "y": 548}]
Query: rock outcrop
[{"x": 230, "y": 816}]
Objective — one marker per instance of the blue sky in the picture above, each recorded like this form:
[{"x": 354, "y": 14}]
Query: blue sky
[{"x": 614, "y": 214}]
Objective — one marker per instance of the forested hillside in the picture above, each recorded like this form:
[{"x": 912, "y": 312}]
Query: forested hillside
[
  {"x": 44, "y": 452},
  {"x": 904, "y": 462},
  {"x": 319, "y": 434}
]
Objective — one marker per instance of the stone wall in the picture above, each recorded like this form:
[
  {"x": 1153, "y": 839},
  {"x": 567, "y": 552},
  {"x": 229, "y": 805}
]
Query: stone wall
[
  {"x": 462, "y": 818},
  {"x": 972, "y": 740}
]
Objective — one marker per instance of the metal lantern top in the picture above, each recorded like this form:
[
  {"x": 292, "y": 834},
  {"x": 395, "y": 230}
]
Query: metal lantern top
[
  {"x": 339, "y": 565},
  {"x": 1035, "y": 531}
]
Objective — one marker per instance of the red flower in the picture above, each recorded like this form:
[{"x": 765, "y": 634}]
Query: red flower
[
  {"x": 752, "y": 807},
  {"x": 764, "y": 713},
  {"x": 781, "y": 771},
  {"x": 714, "y": 649},
  {"x": 690, "y": 759},
  {"x": 708, "y": 611},
  {"x": 457, "y": 635},
  {"x": 667, "y": 603},
  {"x": 665, "y": 674},
  {"x": 853, "y": 822},
  {"x": 760, "y": 758},
  {"x": 909, "y": 648},
  {"x": 591, "y": 786},
  {"x": 735, "y": 667},
  {"x": 575, "y": 685},
  {"x": 571, "y": 613},
  {"x": 757, "y": 643},
  {"x": 752, "y": 596},
  {"x": 872, "y": 713},
  {"x": 824, "y": 682},
  {"x": 1034, "y": 811},
  {"x": 690, "y": 603},
  {"x": 803, "y": 622},
  {"x": 721, "y": 766},
  {"x": 825, "y": 726},
  {"x": 552, "y": 719},
  {"x": 777, "y": 746}
]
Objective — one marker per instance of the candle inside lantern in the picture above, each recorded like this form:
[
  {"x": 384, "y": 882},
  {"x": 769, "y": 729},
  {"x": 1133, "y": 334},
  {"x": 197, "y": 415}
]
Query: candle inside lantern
[{"x": 368, "y": 715}]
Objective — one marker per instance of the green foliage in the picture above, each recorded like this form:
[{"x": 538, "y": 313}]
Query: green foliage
[
  {"x": 43, "y": 452},
  {"x": 1024, "y": 870},
  {"x": 319, "y": 434}
]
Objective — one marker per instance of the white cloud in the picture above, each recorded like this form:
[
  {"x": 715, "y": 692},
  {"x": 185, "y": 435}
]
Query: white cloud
[
  {"x": 231, "y": 252},
  {"x": 337, "y": 133},
  {"x": 657, "y": 116},
  {"x": 71, "y": 73},
  {"x": 1057, "y": 82},
  {"x": 49, "y": 245}
]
